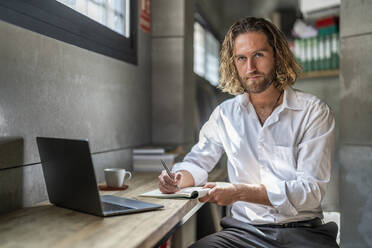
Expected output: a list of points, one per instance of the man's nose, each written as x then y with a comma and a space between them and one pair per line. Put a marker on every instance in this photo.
250, 66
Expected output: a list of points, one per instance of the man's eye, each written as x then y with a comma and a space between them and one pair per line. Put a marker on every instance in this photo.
259, 55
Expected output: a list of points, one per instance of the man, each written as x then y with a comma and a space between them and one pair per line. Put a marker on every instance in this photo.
279, 144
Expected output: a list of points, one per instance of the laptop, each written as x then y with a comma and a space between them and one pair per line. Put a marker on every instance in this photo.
71, 182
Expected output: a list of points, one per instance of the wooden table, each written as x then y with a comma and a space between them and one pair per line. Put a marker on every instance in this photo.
46, 225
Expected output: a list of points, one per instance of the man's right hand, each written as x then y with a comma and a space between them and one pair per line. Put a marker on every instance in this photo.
167, 185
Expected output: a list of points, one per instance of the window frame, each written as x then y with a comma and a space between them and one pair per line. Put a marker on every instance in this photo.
56, 20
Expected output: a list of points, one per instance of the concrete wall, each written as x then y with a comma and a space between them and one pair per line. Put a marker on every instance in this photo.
173, 82
51, 88
356, 120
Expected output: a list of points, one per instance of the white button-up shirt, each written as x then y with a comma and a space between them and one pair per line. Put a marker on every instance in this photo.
291, 154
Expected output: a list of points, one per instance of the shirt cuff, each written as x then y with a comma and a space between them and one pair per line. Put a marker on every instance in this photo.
200, 175
276, 191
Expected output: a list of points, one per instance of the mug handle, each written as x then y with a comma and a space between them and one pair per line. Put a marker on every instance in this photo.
129, 174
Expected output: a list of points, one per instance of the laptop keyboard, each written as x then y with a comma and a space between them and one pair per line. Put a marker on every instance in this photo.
113, 207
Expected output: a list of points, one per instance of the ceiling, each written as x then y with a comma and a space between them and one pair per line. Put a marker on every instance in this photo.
222, 13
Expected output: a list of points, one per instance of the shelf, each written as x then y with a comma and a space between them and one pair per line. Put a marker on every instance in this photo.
319, 74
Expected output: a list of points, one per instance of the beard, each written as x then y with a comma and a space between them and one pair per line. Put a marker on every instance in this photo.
257, 85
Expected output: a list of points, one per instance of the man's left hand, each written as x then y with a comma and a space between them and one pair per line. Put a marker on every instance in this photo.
220, 193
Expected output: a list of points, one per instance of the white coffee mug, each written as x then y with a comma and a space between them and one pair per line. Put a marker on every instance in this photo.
115, 177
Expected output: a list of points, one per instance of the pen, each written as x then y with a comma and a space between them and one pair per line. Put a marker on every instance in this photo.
168, 171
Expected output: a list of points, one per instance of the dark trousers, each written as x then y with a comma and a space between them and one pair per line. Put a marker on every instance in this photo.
236, 234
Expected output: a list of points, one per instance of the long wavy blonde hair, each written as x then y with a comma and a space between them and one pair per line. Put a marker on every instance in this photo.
286, 68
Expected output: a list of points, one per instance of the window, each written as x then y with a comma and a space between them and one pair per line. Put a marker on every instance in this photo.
108, 27
112, 14
206, 54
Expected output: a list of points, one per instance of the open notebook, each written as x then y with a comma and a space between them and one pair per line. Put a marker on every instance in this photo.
190, 192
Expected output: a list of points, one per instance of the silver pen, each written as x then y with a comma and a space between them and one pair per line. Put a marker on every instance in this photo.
168, 171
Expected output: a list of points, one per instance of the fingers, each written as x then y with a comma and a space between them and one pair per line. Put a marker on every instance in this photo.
206, 198
167, 184
220, 193
164, 177
210, 196
209, 185
213, 195
167, 189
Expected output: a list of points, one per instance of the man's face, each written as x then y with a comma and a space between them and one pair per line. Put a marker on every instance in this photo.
254, 60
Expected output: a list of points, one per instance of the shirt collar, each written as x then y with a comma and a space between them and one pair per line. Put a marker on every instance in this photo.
290, 99
243, 99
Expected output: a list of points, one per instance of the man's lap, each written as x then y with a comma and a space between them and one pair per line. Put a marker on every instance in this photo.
238, 234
